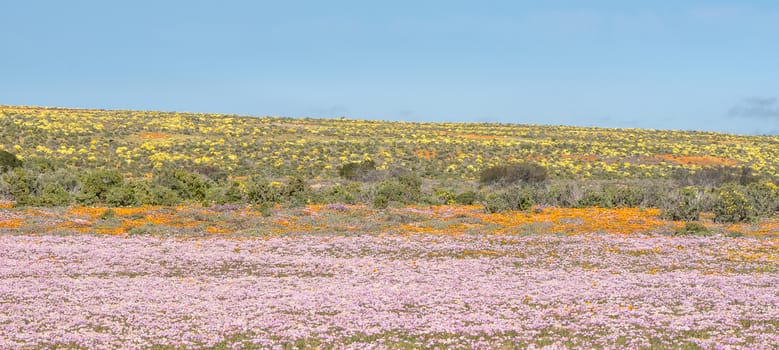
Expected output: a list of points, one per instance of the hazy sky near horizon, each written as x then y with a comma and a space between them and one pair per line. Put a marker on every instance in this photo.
702, 65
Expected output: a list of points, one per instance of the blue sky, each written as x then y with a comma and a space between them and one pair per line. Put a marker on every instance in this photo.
704, 65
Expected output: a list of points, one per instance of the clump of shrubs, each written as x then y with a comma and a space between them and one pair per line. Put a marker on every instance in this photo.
692, 229
513, 198
683, 205
527, 173
8, 161
358, 171
404, 189
731, 205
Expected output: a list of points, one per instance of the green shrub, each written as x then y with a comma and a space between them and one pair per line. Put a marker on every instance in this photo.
466, 198
763, 198
596, 197
147, 193
529, 173
187, 185
692, 229
342, 193
96, 185
260, 191
731, 205
120, 196
445, 196
627, 196
19, 184
514, 198
53, 195
357, 170
232, 192
108, 214
715, 176
683, 205
404, 189
8, 161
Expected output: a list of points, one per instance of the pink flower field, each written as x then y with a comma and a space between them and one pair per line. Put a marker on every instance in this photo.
389, 291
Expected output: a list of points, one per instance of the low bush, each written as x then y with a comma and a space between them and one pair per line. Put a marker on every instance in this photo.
8, 161
513, 198
260, 191
342, 193
683, 205
527, 173
692, 229
715, 176
763, 197
731, 205
404, 189
465, 198
359, 171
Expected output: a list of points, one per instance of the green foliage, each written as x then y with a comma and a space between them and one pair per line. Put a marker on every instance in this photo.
95, 185
731, 205
231, 192
8, 161
683, 205
715, 176
54, 195
147, 193
529, 173
18, 184
466, 198
120, 196
596, 197
108, 214
260, 191
341, 193
763, 198
445, 196
513, 198
187, 185
404, 189
692, 229
357, 170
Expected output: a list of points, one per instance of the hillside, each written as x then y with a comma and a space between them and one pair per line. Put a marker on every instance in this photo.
137, 142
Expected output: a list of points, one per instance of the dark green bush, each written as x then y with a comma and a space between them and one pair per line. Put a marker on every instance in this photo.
527, 172
260, 191
187, 185
54, 195
342, 193
8, 161
715, 176
731, 205
95, 185
683, 205
147, 193
596, 197
19, 184
404, 189
692, 229
231, 192
466, 198
763, 198
357, 170
120, 196
513, 198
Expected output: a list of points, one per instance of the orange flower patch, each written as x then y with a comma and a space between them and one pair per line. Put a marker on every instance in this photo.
583, 220
10, 223
153, 135
6, 205
697, 160
425, 154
